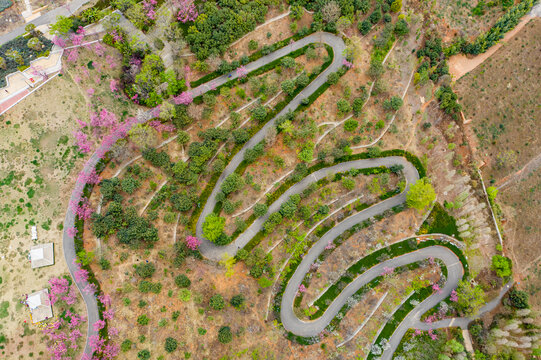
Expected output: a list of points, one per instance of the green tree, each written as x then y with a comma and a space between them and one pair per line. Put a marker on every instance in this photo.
225, 335
343, 106
492, 191
333, 78
260, 113
182, 281
34, 44
143, 320
15, 56
420, 195
126, 345
396, 6
288, 86
145, 270
502, 266
171, 344
143, 354
394, 103
470, 298
401, 27
518, 299
217, 302
302, 80
213, 227
62, 26
350, 125
364, 26
129, 184
3, 64
232, 183
260, 209
237, 301
288, 62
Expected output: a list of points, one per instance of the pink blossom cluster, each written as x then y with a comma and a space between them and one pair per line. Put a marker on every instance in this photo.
111, 61
83, 143
157, 124
187, 10
192, 242
77, 39
330, 245
59, 286
185, 98
302, 288
82, 209
436, 288
432, 335
81, 30
387, 271
113, 85
59, 41
454, 296
89, 178
90, 91
117, 37
347, 64
73, 55
103, 119
149, 7
72, 231
99, 49
242, 72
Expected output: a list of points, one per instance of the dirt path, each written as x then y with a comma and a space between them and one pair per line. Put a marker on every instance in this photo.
460, 65
530, 166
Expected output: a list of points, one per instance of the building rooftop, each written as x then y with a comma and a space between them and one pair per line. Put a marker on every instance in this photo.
42, 255
40, 306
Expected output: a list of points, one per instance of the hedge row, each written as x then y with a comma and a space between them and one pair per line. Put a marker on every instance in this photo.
394, 250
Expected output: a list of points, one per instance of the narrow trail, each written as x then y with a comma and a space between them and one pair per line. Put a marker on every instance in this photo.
528, 168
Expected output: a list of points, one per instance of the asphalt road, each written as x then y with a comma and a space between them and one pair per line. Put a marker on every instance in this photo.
207, 248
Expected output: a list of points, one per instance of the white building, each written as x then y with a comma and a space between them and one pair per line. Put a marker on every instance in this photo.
40, 306
42, 255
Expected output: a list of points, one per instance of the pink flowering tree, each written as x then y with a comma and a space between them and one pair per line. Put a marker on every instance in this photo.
454, 296
302, 288
192, 242
387, 271
186, 10
242, 72
185, 98
347, 64
149, 6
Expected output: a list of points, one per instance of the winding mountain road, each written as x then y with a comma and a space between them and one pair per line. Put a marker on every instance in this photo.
211, 251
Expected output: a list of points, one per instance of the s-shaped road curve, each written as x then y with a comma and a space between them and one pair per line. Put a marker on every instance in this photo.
68, 243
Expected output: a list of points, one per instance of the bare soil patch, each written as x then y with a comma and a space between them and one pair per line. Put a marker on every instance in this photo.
501, 97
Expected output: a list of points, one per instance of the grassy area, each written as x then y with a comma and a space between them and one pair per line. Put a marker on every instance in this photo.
440, 222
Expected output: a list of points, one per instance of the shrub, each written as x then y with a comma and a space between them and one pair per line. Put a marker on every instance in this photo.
126, 345
288, 86
260, 113
225, 335
143, 354
343, 106
34, 44
145, 270
143, 320
288, 62
348, 183
182, 281
364, 26
217, 302
213, 227
394, 103
333, 78
350, 125
260, 209
518, 299
237, 301
253, 45
502, 266
104, 264
171, 344
129, 184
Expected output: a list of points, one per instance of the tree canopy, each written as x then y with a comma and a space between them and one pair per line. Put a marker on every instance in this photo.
420, 195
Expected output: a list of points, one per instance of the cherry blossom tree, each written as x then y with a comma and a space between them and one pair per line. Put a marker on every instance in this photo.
187, 10
192, 242
185, 98
242, 72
